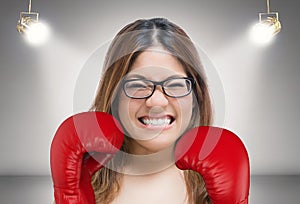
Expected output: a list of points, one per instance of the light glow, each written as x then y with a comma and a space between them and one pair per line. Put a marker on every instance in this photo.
262, 33
37, 33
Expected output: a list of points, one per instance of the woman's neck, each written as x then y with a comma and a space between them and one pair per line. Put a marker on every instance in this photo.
149, 163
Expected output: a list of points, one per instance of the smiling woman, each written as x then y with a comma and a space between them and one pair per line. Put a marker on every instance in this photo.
159, 92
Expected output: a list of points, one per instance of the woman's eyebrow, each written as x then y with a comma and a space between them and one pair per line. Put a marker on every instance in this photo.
138, 76
135, 76
175, 76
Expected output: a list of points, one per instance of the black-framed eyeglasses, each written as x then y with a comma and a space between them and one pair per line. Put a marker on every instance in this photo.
144, 88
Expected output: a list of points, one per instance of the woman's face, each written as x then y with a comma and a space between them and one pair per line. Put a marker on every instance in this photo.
155, 123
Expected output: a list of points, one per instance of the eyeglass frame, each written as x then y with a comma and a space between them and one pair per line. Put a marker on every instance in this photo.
155, 83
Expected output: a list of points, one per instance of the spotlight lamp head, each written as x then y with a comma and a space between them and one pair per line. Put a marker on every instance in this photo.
26, 20
270, 20
267, 27
35, 32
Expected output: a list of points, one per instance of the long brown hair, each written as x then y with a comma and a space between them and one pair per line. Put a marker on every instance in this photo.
129, 42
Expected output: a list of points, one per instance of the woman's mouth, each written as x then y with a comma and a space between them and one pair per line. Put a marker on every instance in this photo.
157, 121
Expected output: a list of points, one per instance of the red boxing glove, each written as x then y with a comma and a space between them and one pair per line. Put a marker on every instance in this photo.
71, 167
221, 159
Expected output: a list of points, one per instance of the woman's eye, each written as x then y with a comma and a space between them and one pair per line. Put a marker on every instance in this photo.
137, 85
176, 85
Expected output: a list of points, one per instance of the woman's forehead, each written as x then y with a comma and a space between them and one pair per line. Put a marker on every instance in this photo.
157, 62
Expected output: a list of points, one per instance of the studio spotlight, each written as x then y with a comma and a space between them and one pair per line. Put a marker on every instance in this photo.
267, 27
29, 26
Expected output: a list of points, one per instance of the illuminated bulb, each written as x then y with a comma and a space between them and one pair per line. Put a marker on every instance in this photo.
263, 32
37, 33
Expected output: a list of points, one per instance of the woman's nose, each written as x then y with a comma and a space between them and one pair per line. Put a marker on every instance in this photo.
158, 98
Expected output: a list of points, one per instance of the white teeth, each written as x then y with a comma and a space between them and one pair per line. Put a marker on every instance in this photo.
156, 122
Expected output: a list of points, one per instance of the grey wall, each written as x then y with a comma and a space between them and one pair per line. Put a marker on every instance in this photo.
260, 84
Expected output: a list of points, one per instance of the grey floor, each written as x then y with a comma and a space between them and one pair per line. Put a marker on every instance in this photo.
38, 190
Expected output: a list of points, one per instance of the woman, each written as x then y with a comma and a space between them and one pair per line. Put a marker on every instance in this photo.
154, 83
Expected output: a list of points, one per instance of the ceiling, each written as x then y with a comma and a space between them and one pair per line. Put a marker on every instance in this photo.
256, 89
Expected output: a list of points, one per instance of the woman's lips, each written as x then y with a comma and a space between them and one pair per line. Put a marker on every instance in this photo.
156, 122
